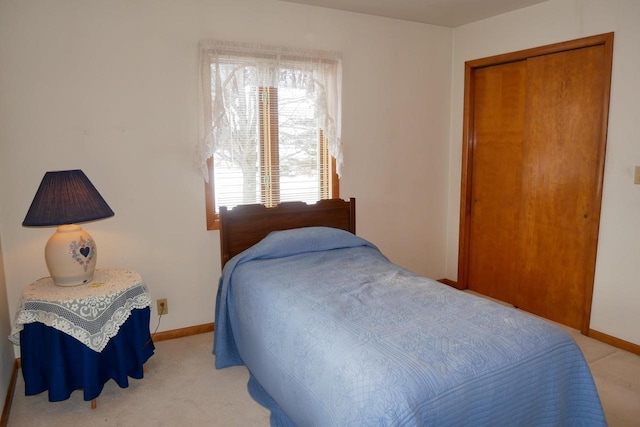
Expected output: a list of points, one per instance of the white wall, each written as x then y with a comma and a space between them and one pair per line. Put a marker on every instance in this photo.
111, 87
616, 298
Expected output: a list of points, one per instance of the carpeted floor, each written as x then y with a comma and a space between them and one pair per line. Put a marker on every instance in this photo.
182, 388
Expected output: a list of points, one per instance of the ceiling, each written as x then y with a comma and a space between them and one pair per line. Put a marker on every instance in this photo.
447, 13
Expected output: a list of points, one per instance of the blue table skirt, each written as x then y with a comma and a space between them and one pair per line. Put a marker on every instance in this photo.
52, 360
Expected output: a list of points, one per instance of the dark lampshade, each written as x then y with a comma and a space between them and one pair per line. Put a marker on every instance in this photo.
66, 197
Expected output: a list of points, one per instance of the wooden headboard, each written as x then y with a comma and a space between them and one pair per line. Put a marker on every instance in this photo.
245, 225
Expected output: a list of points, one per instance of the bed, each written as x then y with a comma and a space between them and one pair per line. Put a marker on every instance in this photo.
334, 334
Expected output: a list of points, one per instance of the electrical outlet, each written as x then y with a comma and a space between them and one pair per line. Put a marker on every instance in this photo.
636, 175
163, 306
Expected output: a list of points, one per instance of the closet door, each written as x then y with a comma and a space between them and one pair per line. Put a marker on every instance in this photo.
560, 183
499, 105
535, 132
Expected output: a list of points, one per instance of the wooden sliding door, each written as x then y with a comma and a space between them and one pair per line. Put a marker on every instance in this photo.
535, 134
499, 106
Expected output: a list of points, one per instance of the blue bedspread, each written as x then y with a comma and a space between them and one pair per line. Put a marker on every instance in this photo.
334, 334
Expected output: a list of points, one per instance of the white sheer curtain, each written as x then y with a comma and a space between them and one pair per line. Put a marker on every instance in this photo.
227, 67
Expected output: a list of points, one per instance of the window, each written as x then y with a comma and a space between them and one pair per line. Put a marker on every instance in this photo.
272, 125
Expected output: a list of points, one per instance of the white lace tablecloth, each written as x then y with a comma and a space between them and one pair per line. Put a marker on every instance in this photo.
91, 313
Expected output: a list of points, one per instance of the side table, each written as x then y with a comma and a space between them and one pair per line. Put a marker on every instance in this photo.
80, 337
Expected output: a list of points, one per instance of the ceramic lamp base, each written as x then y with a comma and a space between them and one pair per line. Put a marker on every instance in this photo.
71, 256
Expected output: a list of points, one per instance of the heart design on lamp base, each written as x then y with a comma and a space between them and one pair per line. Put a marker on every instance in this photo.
71, 256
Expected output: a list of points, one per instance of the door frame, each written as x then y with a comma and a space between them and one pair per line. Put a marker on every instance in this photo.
468, 147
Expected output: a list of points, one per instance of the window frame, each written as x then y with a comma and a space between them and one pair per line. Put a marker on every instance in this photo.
270, 160
329, 66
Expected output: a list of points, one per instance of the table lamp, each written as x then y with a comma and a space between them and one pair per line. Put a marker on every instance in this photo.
64, 199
